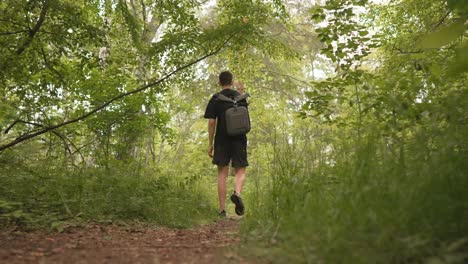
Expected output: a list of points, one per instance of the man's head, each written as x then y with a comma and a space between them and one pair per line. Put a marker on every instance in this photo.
225, 78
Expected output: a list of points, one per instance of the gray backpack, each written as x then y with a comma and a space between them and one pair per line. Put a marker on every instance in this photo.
237, 117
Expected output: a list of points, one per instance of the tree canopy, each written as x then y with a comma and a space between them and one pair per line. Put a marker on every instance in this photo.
358, 107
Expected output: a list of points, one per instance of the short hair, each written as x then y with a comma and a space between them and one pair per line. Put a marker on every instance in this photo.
225, 78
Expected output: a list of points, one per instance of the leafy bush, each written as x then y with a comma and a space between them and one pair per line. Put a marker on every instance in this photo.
37, 196
364, 201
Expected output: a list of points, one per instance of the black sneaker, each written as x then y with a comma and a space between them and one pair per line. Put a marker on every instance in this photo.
237, 200
222, 214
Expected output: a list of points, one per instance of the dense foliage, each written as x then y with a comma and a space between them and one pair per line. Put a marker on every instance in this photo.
98, 103
359, 112
377, 172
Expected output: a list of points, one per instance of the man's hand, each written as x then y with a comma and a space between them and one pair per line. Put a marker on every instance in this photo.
210, 151
240, 87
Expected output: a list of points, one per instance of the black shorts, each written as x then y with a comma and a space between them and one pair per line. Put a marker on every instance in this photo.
235, 150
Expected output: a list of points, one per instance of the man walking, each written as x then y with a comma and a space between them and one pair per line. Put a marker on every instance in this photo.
226, 148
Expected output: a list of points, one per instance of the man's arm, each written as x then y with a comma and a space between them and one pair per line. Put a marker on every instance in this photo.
240, 87
211, 131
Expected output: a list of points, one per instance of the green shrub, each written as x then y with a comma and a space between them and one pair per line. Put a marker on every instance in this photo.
363, 201
38, 196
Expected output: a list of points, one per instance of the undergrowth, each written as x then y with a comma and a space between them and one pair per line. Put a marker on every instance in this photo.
52, 194
336, 198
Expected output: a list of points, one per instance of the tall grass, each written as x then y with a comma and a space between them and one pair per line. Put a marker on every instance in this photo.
52, 194
341, 199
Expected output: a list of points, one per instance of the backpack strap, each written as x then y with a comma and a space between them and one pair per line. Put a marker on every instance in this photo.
222, 97
241, 97
238, 98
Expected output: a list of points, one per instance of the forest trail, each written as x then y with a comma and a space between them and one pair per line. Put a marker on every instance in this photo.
97, 243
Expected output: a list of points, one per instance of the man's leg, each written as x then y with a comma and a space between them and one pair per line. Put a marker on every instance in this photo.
239, 180
238, 183
222, 176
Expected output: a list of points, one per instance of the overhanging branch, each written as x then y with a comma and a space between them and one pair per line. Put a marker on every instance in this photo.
35, 29
104, 105
13, 32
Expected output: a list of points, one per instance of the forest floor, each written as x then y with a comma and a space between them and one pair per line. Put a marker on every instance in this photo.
98, 243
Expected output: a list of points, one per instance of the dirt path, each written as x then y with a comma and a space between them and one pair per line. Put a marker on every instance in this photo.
115, 244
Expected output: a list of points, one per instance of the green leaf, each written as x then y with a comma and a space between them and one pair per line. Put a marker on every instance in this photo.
461, 61
363, 33
435, 69
58, 226
443, 36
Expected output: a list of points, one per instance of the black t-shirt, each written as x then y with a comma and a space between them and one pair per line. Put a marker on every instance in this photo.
216, 109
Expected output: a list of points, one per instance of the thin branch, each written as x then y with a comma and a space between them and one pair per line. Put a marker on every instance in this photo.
442, 20
64, 203
400, 51
31, 33
58, 134
13, 33
198, 44
84, 146
134, 9
143, 13
434, 28
14, 23
49, 32
11, 126
104, 105
394, 47
63, 138
50, 67
77, 150
35, 29
288, 76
